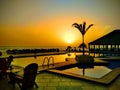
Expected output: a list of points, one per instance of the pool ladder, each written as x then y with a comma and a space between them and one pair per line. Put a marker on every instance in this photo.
48, 60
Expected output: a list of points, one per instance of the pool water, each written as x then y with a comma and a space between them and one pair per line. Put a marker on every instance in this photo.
113, 64
95, 72
39, 60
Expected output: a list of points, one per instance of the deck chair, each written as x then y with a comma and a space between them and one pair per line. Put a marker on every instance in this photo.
28, 79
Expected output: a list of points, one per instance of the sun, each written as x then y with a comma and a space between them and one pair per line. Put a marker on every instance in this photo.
69, 38
69, 41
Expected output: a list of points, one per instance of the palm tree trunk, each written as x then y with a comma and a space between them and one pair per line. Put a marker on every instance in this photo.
83, 45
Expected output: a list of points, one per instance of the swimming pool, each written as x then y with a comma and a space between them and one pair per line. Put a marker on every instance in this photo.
93, 71
24, 61
113, 64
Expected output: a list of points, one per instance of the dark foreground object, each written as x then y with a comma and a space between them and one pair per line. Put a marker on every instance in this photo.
27, 80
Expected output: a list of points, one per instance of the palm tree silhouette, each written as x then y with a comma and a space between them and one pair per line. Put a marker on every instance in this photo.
82, 28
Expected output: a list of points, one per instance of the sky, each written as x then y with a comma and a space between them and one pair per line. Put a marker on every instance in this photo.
49, 22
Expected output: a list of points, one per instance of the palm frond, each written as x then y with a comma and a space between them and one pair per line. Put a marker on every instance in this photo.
76, 25
89, 27
84, 25
80, 25
80, 28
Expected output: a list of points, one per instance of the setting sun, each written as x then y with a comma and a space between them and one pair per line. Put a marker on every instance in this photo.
69, 36
69, 41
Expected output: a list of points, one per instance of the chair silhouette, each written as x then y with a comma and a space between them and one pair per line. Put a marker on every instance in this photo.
8, 62
3, 67
28, 79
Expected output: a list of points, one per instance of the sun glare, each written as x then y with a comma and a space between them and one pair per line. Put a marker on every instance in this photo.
69, 41
69, 38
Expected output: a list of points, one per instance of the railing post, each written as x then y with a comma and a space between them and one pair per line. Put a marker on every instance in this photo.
44, 60
52, 59
48, 59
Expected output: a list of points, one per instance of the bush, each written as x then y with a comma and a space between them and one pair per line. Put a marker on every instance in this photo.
84, 59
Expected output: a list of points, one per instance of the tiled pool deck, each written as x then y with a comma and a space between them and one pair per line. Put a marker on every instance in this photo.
54, 81
49, 81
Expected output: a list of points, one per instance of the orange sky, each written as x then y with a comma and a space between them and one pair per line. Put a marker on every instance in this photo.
49, 23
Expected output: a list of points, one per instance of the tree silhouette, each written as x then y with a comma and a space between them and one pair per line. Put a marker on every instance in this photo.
69, 48
82, 28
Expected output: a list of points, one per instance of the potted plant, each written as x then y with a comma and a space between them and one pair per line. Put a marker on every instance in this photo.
84, 59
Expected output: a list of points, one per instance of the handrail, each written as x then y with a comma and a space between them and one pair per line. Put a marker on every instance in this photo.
48, 59
51, 57
44, 60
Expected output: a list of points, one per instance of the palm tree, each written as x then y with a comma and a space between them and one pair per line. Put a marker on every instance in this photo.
82, 28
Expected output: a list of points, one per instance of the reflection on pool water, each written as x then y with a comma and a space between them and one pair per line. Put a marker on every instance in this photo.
95, 72
39, 59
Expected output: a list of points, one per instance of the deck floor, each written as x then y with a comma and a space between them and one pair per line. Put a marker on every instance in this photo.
50, 81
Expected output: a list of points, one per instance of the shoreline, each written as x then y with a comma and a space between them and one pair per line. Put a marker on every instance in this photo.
54, 53
34, 55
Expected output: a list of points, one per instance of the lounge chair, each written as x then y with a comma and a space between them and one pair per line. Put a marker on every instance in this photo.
28, 79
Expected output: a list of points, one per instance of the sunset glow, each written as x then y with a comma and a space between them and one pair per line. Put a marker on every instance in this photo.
69, 37
69, 41
49, 22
